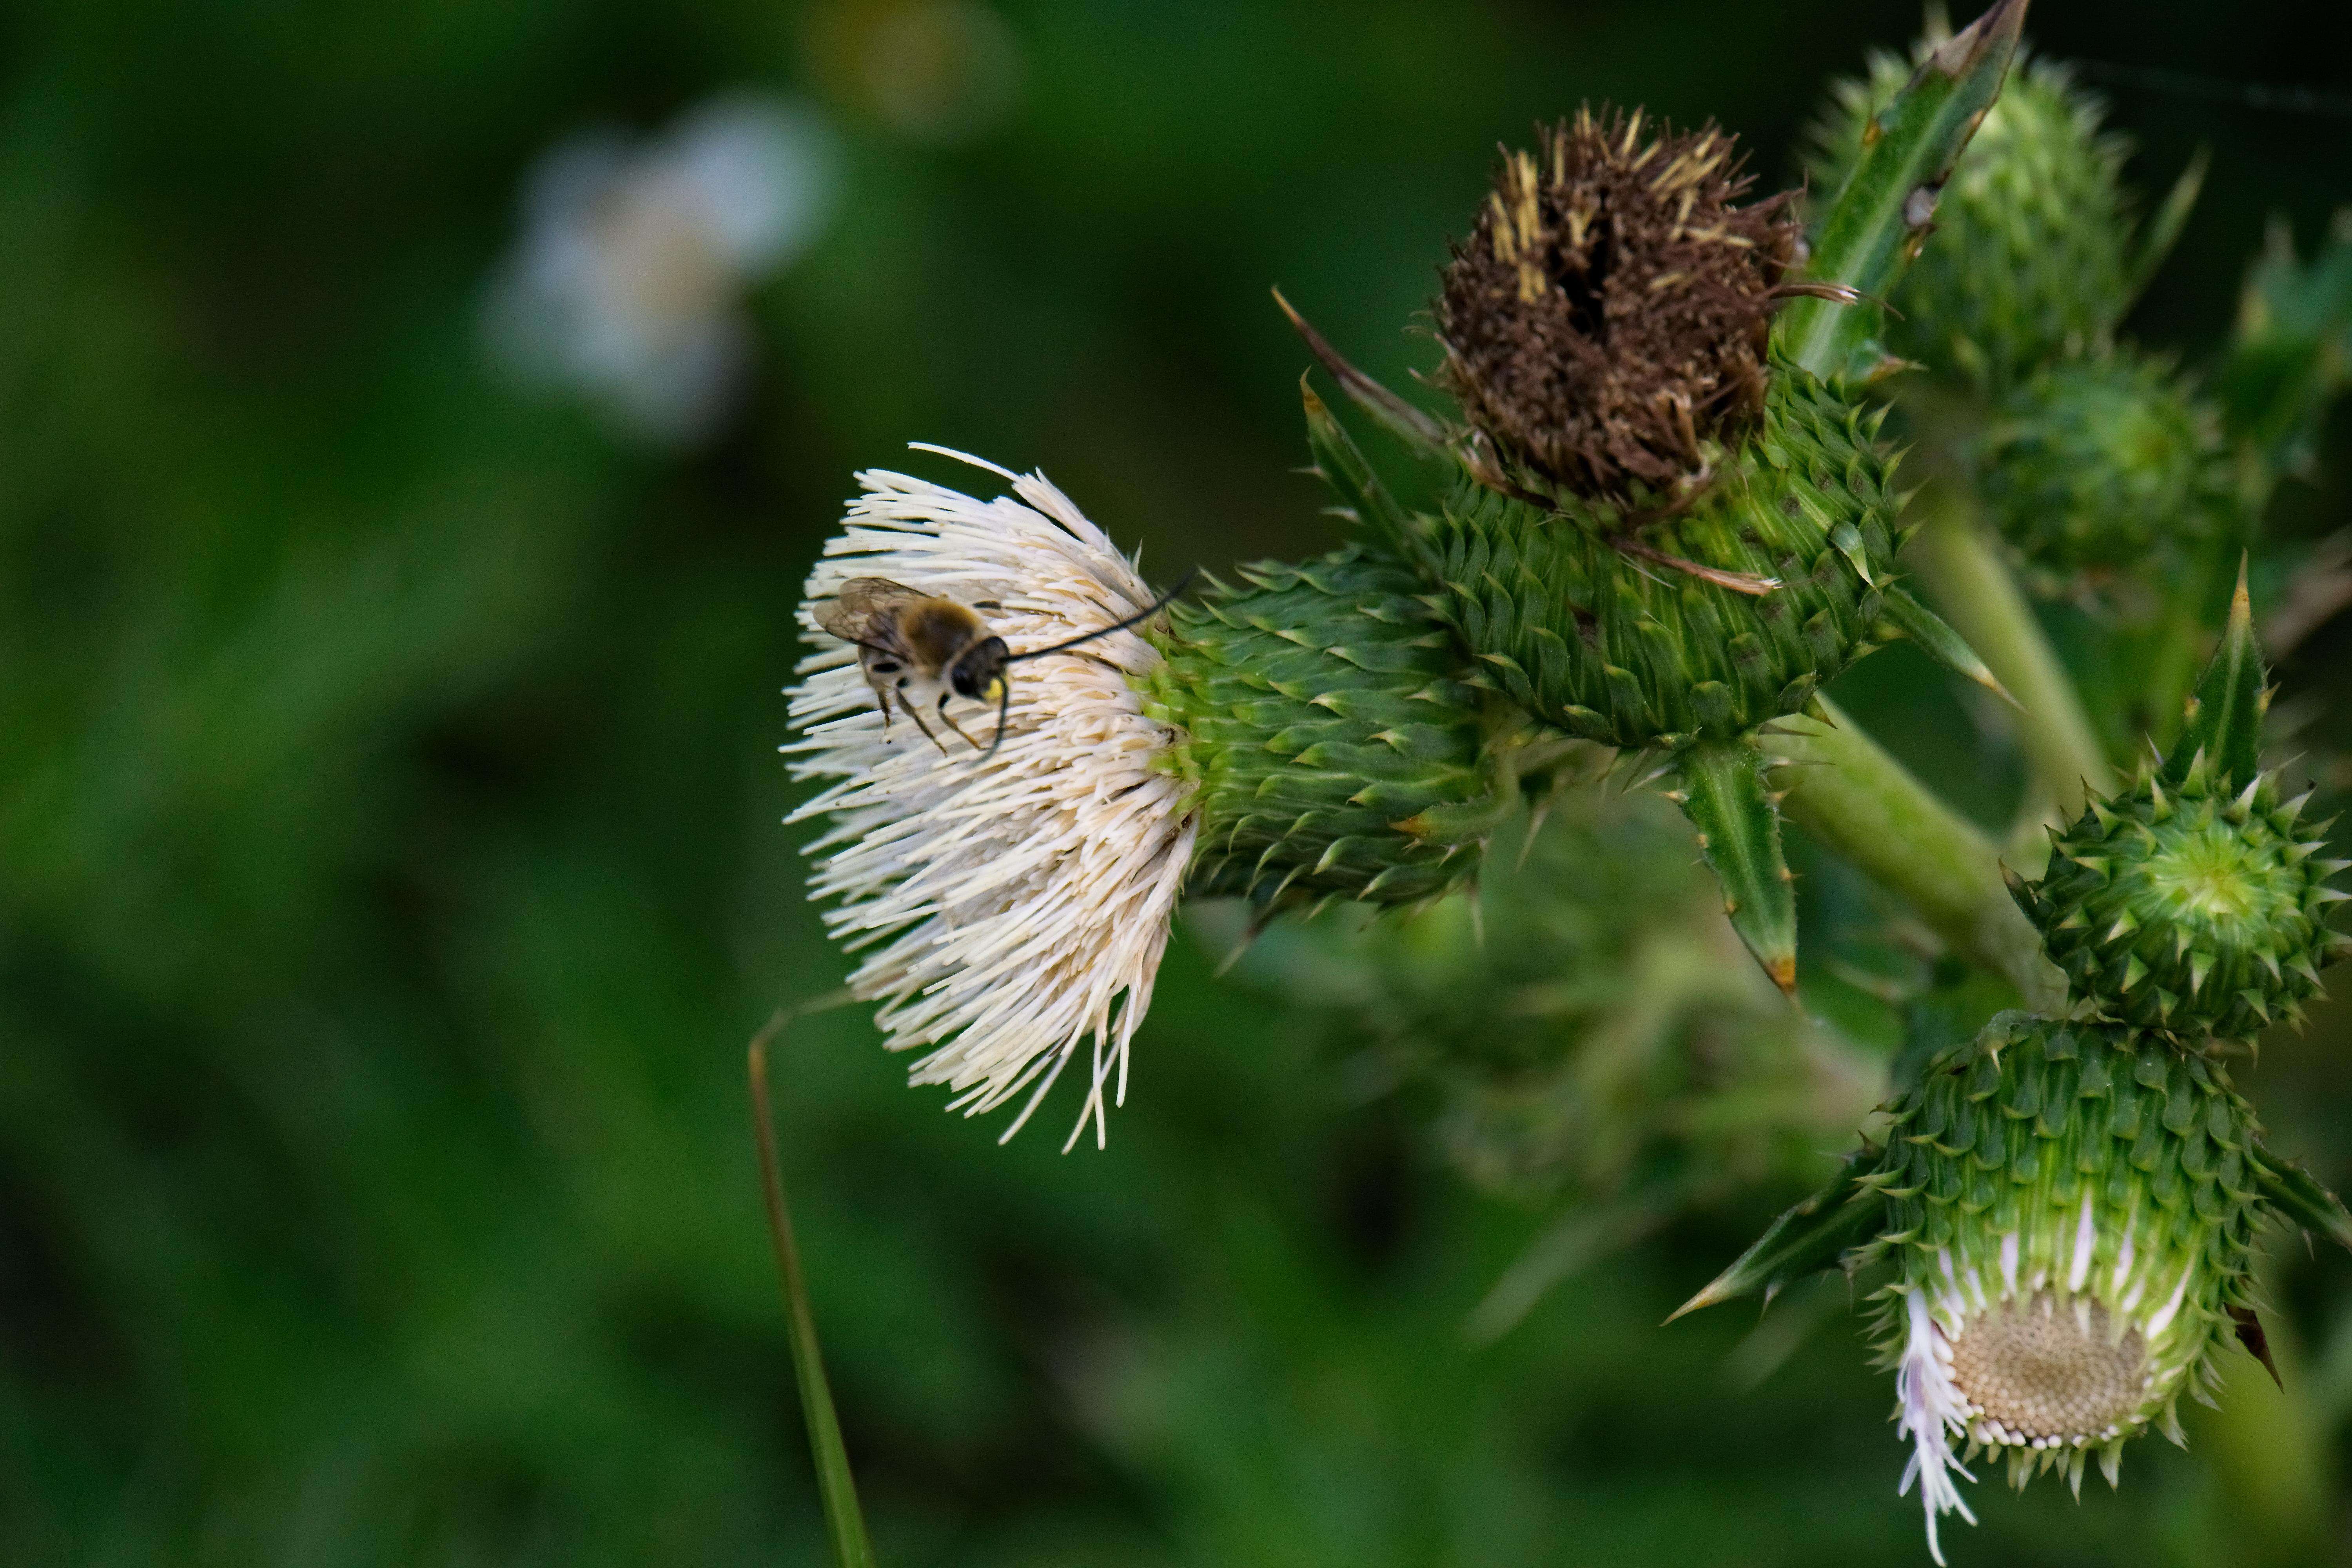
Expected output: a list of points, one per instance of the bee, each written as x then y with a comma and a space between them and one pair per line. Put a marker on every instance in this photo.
912, 644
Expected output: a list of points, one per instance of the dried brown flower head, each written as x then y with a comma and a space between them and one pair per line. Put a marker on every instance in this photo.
1610, 310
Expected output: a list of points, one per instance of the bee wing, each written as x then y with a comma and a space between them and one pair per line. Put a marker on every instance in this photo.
854, 612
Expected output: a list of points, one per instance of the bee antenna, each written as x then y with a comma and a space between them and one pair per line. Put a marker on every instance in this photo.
1164, 600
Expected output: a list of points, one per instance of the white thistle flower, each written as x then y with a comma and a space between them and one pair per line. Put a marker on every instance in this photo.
626, 284
1015, 905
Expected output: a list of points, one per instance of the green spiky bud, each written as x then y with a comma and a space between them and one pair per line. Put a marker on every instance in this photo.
2070, 1211
2194, 902
2034, 257
2102, 464
1688, 629
1326, 727
2290, 353
1708, 619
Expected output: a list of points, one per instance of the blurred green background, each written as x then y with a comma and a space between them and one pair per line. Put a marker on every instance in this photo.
391, 868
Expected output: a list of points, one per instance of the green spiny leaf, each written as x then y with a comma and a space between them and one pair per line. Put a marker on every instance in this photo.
1807, 1239
1344, 468
2225, 715
1738, 828
2297, 1195
1939, 642
2163, 230
1417, 429
1887, 207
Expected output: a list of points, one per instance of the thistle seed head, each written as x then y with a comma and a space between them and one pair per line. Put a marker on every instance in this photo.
1607, 317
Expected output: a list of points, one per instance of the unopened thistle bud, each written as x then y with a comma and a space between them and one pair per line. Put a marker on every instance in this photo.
2035, 256
2195, 902
1608, 315
1309, 736
2102, 464
2072, 1213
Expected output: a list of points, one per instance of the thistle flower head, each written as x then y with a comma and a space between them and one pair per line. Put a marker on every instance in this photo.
1608, 314
2071, 1213
1310, 735
1012, 905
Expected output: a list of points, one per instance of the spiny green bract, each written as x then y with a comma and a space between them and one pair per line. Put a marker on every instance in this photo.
2101, 464
1581, 617
1334, 742
2187, 908
2095, 1178
2029, 260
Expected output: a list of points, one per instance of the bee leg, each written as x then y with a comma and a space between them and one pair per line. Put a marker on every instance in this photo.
916, 715
882, 696
951, 724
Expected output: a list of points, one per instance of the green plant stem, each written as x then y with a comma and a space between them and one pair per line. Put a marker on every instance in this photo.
1845, 790
835, 1487
1975, 591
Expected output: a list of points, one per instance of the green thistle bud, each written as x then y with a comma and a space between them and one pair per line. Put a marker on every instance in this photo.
2194, 902
1688, 630
2034, 257
2072, 1213
1702, 621
1331, 742
2101, 464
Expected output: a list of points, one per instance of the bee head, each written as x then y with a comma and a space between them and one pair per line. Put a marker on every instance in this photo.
978, 672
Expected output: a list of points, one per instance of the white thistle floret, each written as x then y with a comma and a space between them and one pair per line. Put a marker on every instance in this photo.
1930, 1411
1011, 906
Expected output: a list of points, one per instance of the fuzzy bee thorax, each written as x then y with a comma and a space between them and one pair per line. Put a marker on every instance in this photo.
939, 629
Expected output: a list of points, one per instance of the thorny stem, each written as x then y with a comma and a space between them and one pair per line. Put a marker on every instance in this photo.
1983, 602
1845, 790
835, 1487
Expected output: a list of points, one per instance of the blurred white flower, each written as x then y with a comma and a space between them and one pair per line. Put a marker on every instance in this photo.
626, 286
1009, 899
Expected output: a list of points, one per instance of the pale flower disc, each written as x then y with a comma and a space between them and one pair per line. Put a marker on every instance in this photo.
1007, 903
